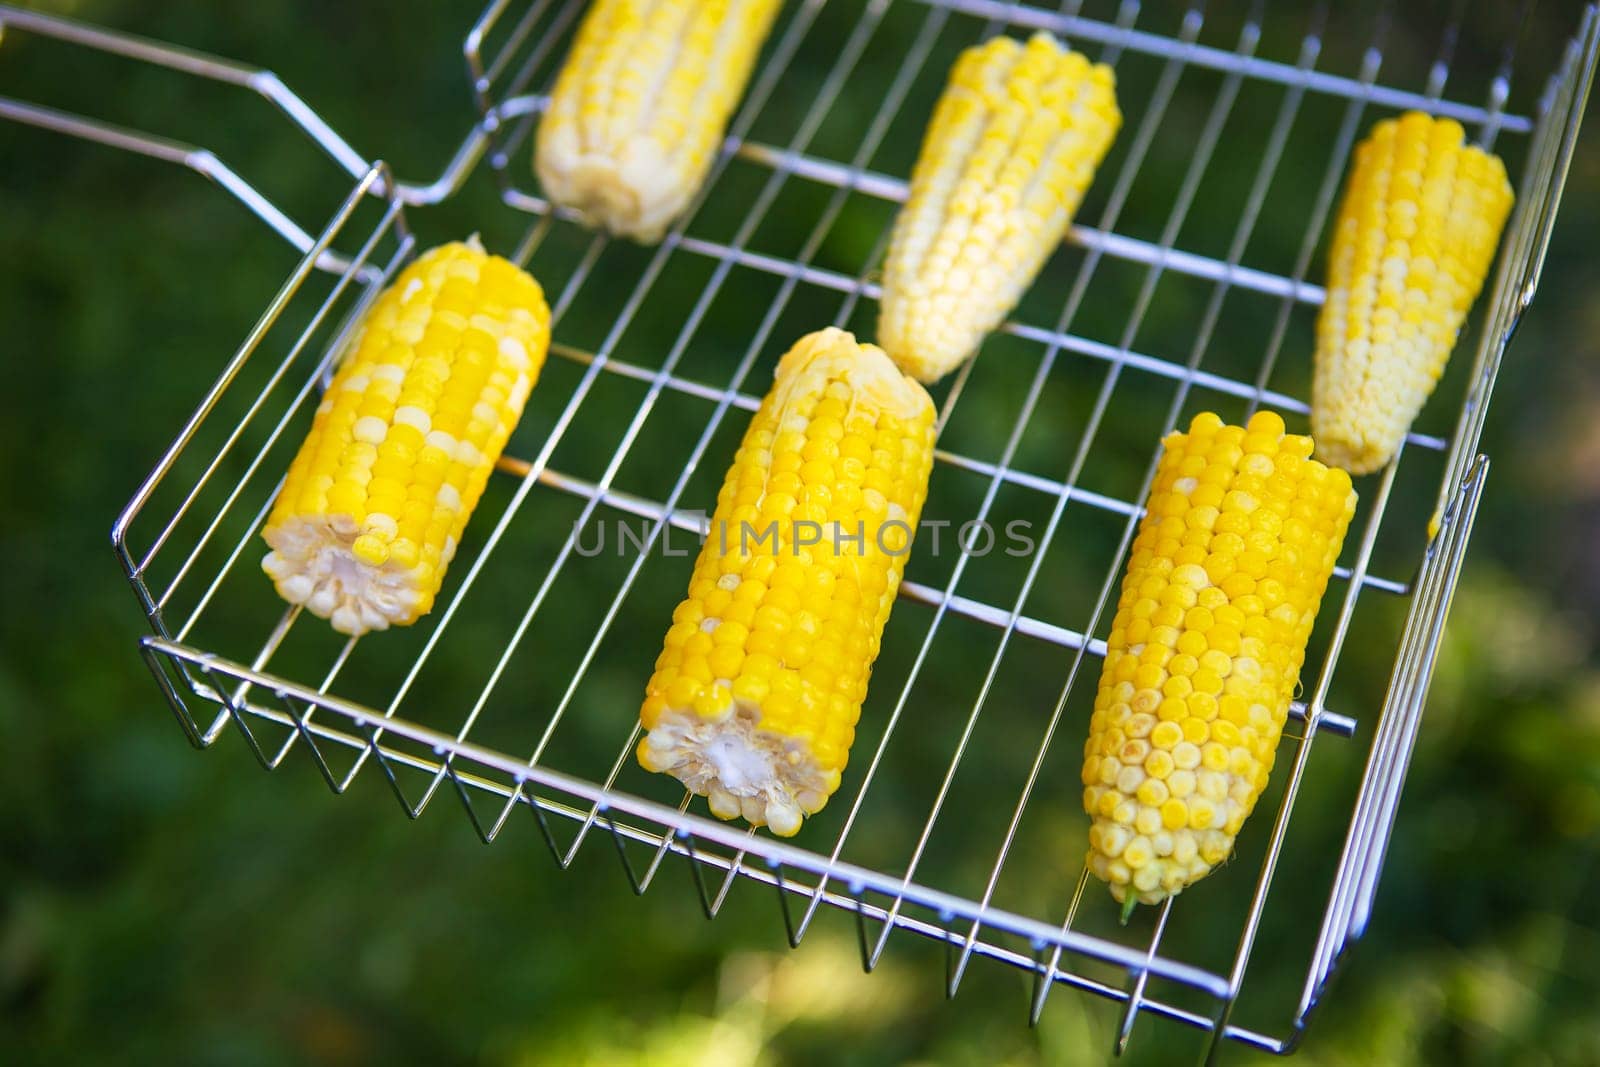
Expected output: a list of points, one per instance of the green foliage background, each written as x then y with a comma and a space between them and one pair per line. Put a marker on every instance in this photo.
161, 905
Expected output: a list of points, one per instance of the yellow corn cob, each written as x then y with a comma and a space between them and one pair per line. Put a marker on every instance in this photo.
755, 696
641, 105
1222, 587
404, 439
1013, 144
1417, 230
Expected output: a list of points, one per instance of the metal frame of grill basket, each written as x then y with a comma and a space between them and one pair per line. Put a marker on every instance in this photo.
188, 540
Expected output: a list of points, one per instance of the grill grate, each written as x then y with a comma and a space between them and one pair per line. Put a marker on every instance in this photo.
985, 774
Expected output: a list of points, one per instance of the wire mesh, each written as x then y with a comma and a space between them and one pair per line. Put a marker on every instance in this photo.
541, 642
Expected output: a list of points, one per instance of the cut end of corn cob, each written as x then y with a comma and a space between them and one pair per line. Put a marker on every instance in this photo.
404, 440
1416, 233
1223, 584
1012, 146
742, 769
641, 105
757, 690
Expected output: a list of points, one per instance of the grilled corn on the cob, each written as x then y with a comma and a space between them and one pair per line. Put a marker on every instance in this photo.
1416, 232
1013, 143
641, 104
404, 439
1223, 583
755, 696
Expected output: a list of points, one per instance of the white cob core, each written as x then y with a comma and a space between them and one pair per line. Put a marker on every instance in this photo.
740, 768
312, 564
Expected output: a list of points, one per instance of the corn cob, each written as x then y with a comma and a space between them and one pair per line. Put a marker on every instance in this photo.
641, 105
1417, 230
755, 696
404, 439
1222, 587
1011, 148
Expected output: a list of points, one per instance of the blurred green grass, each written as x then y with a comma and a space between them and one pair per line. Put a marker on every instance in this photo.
158, 904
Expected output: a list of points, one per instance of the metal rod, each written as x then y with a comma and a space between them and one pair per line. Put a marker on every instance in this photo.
1223, 60
297, 278
702, 829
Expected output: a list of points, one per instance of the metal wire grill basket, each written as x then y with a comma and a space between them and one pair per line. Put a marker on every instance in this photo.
502, 695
